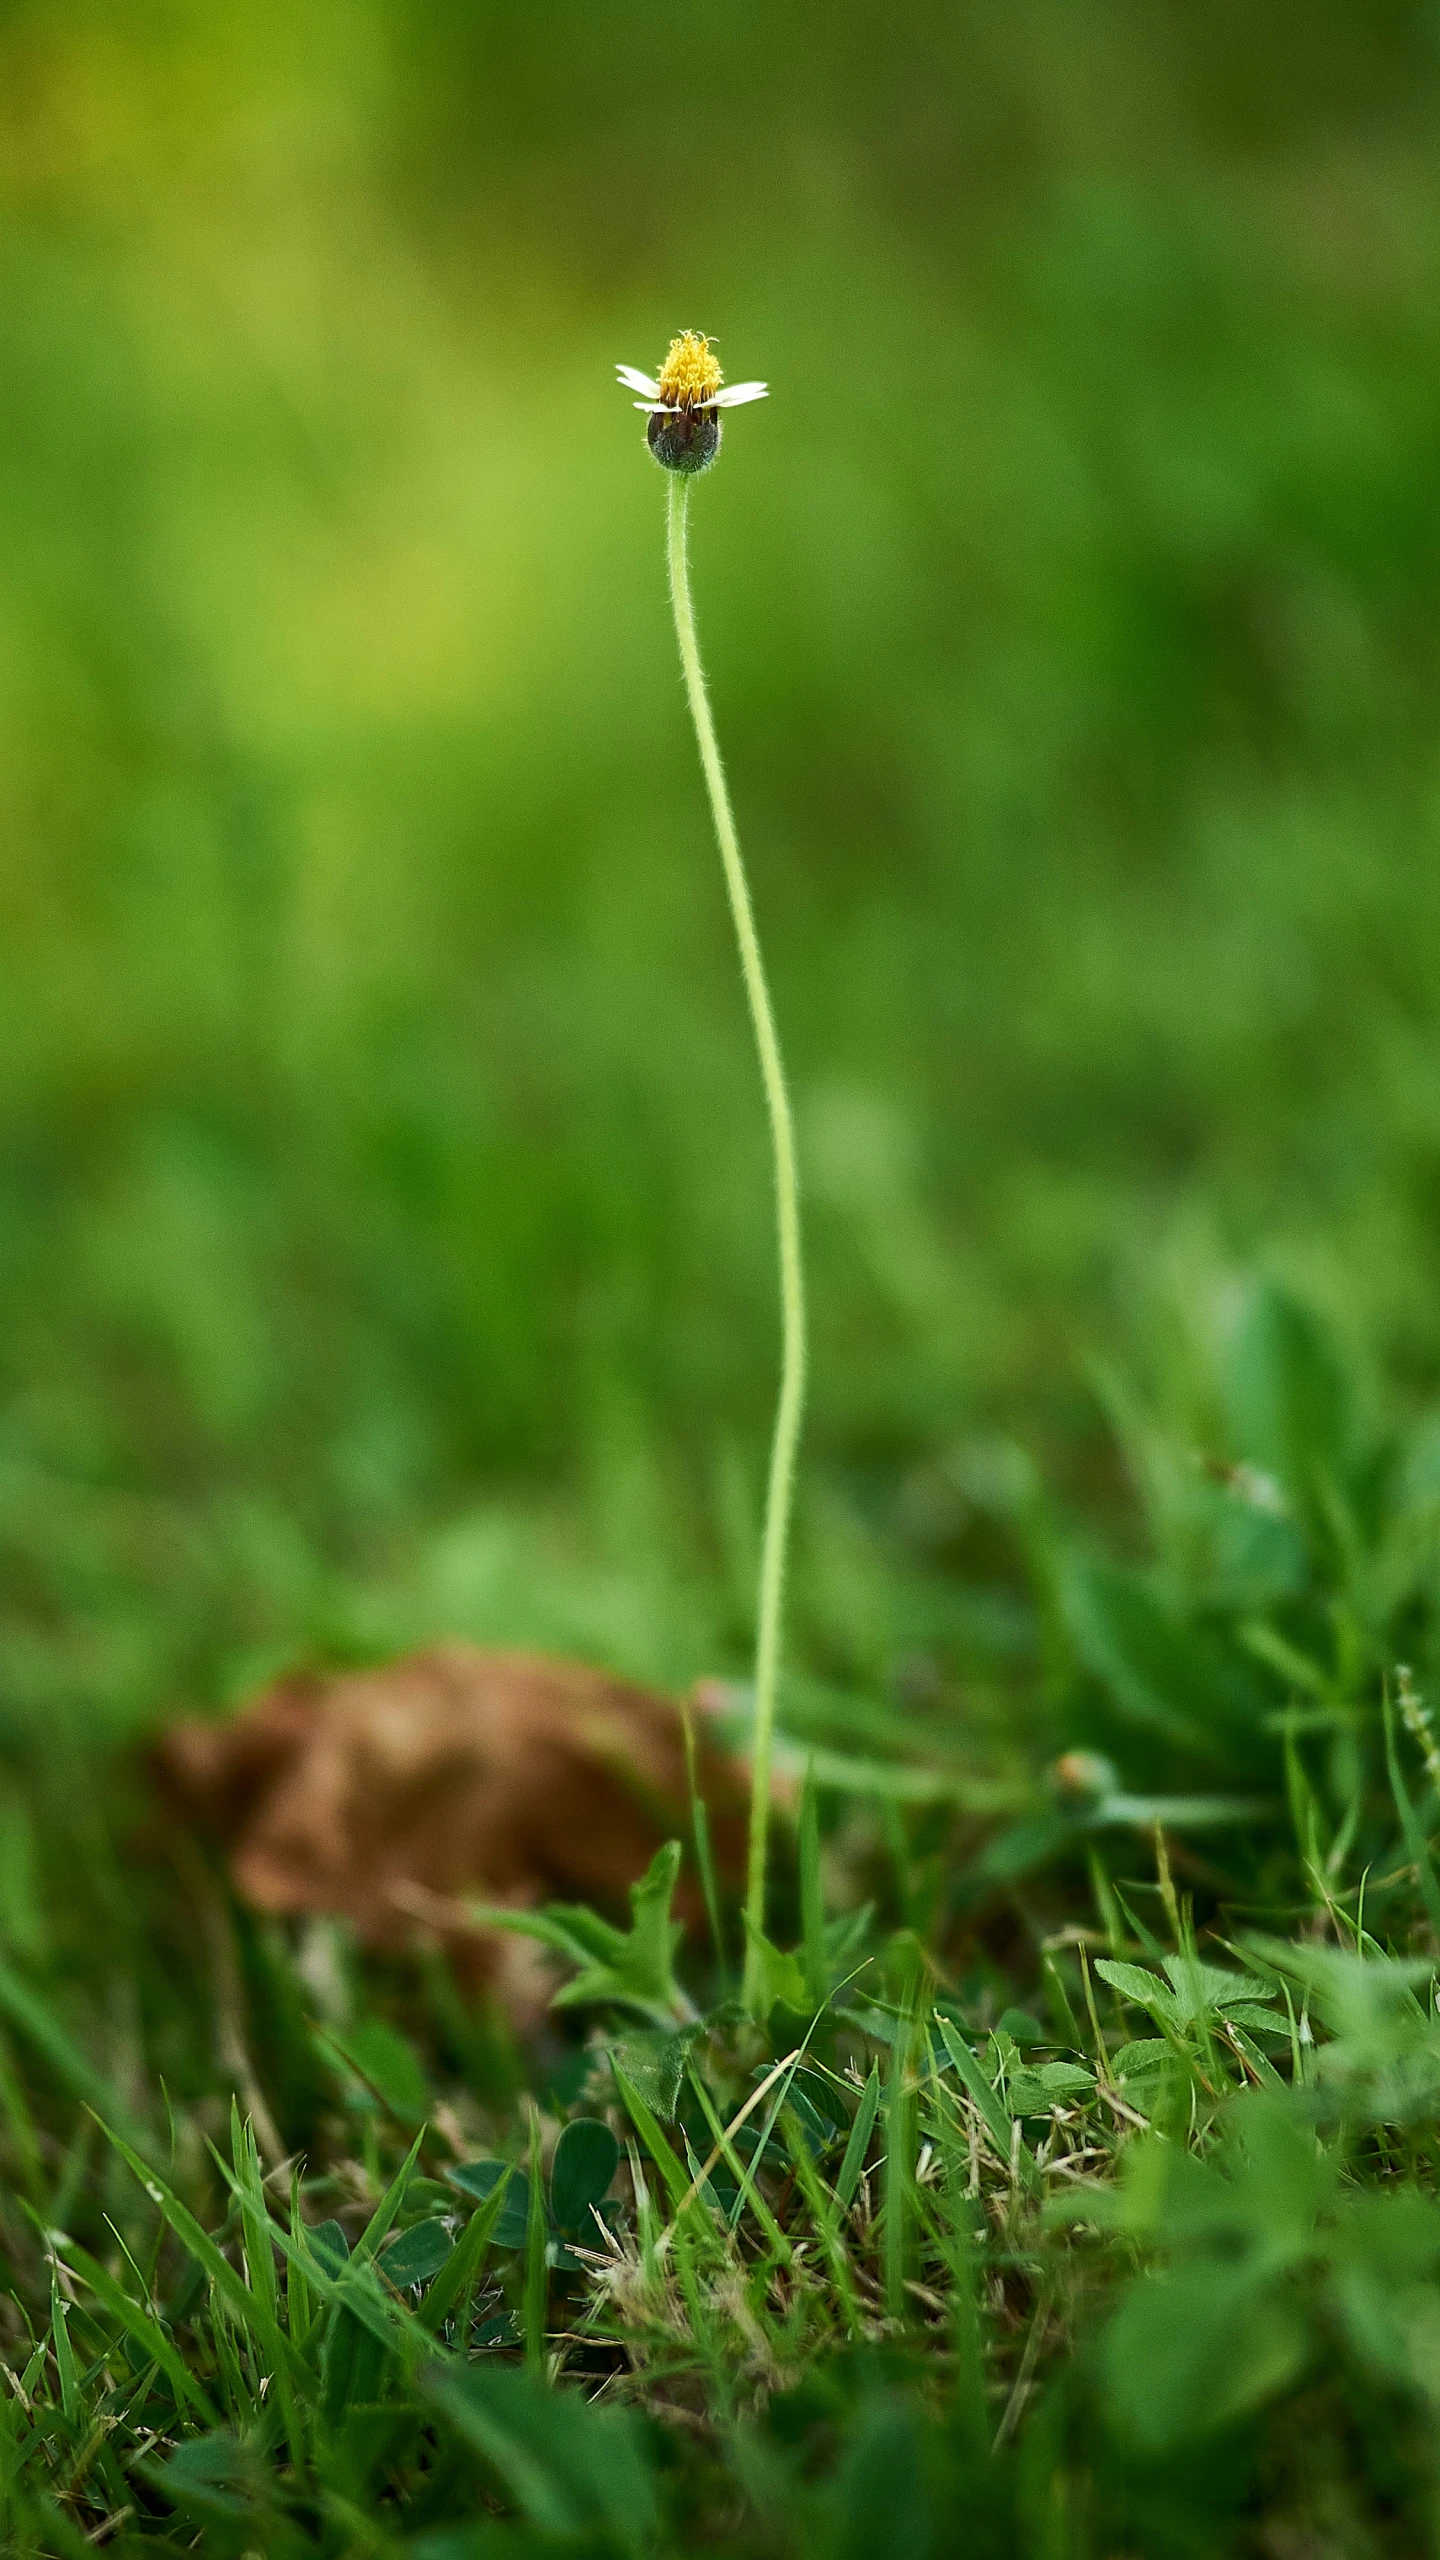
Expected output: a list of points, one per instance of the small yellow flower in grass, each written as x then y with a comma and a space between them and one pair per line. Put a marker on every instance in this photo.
684, 401
683, 408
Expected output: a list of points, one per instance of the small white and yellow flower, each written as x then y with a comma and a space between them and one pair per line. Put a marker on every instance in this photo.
684, 400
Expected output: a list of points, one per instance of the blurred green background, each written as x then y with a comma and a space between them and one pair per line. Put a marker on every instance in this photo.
384, 1205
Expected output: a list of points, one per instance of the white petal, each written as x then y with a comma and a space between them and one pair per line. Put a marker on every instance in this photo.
736, 393
654, 408
634, 381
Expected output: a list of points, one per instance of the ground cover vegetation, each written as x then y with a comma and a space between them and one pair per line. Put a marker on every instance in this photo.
384, 1254
1072, 2191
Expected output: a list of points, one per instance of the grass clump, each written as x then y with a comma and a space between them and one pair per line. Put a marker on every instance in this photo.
1072, 2191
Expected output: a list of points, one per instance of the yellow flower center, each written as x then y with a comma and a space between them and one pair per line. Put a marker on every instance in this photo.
690, 372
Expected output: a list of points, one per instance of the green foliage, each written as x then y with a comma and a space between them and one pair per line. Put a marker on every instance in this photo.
633, 1968
360, 1269
1141, 2226
384, 1252
586, 2158
576, 2472
1268, 2262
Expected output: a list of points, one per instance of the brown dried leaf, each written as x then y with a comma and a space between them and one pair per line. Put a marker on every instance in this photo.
377, 1795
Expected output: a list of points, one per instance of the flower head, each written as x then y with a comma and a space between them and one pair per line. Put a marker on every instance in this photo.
683, 403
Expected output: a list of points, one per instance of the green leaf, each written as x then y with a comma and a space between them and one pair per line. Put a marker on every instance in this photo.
1188, 2353
212, 2474
387, 2063
640, 1971
1159, 1672
1142, 1988
1368, 2001
1035, 2091
1243, 2013
617, 1968
661, 2152
1140, 2061
330, 2245
1291, 1402
778, 1978
586, 2158
416, 2256
1383, 2285
809, 2101
881, 2503
460, 2274
1195, 1991
480, 2178
567, 1929
1201, 1989
654, 2064
572, 2469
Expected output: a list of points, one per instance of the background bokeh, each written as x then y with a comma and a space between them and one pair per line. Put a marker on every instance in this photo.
384, 1206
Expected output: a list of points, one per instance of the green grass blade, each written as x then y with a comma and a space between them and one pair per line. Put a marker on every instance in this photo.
391, 2201
704, 1852
144, 2328
899, 2178
822, 2210
676, 2182
26, 2010
458, 2277
745, 2173
977, 2087
537, 2290
64, 2355
230, 2286
1415, 1840
259, 2230
862, 2127
812, 1897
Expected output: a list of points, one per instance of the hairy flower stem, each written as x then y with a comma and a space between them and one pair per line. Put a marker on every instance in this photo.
780, 1493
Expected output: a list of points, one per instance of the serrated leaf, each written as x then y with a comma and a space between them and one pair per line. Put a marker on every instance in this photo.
1202, 1987
1036, 2090
1242, 2013
618, 1968
1141, 2060
1141, 1987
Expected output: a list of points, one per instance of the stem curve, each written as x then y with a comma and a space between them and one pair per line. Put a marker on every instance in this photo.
780, 1490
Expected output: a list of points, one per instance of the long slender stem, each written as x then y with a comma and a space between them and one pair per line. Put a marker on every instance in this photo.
780, 1492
